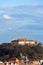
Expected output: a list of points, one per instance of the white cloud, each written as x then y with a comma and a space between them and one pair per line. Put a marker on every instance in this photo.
5, 16
9, 28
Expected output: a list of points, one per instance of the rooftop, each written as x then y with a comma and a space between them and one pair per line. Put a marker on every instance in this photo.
22, 39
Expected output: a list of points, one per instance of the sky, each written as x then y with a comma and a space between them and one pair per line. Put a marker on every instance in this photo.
21, 19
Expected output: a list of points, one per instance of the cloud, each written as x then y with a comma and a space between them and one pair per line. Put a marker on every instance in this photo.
9, 28
5, 16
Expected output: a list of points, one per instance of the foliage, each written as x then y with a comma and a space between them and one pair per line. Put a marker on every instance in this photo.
9, 50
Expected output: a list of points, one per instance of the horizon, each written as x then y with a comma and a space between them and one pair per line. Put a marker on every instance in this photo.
21, 19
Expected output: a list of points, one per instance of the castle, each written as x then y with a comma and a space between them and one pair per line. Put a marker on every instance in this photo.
23, 41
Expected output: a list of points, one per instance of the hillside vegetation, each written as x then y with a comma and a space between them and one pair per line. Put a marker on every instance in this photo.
9, 50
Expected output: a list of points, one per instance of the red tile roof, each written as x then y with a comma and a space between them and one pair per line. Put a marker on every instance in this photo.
21, 39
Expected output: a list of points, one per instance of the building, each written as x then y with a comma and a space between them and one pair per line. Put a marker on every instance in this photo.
17, 62
23, 41
7, 63
34, 63
1, 63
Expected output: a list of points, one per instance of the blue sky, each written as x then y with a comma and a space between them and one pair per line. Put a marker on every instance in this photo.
21, 18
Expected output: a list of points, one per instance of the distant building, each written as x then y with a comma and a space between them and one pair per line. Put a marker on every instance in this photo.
18, 62
1, 63
41, 61
7, 63
23, 41
34, 63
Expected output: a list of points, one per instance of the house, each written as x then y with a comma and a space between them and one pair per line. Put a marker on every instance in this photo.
1, 63
41, 61
23, 41
18, 62
7, 63
11, 61
34, 63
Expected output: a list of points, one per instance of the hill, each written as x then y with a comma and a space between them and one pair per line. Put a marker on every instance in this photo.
9, 50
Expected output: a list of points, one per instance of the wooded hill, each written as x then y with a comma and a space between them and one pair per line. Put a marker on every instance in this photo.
9, 50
